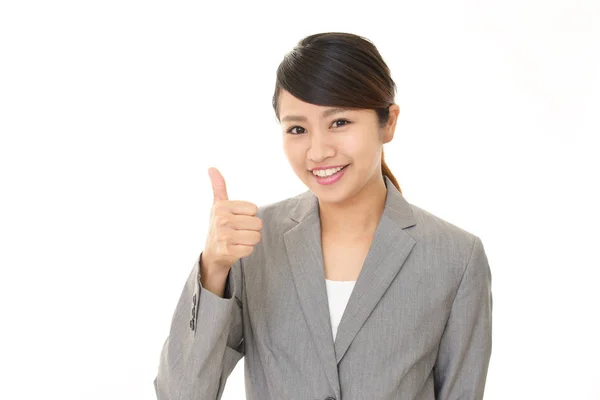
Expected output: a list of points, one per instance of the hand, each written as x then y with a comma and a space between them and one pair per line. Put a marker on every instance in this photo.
234, 229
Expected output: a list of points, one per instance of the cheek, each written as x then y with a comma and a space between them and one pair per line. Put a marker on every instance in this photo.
369, 141
287, 148
356, 148
292, 152
361, 151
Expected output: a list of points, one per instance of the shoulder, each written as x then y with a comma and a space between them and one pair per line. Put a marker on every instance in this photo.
437, 234
428, 224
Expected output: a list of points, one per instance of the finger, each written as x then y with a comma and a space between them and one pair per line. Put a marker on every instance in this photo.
246, 238
218, 185
238, 207
246, 223
241, 250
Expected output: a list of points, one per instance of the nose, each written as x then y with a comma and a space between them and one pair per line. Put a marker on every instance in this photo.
320, 148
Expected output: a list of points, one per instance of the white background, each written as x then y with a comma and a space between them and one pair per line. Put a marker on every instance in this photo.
111, 112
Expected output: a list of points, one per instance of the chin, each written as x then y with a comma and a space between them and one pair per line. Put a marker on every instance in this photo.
326, 193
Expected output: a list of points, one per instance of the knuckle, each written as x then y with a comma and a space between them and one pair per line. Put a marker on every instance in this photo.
222, 220
220, 207
222, 237
227, 249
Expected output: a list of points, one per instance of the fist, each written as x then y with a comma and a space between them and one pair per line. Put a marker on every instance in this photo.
234, 229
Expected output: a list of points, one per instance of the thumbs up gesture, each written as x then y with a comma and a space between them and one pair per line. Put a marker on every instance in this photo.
234, 229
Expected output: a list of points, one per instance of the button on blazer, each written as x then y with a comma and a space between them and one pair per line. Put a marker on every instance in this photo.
417, 326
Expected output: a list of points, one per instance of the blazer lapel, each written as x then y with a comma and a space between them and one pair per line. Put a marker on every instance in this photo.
303, 246
388, 252
390, 248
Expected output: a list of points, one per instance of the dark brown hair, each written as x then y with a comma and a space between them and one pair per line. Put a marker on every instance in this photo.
338, 69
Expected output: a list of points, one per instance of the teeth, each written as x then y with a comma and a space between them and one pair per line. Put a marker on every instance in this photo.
326, 172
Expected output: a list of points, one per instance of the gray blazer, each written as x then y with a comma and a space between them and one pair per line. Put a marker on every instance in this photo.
418, 325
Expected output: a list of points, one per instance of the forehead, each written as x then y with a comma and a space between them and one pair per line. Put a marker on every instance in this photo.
288, 101
290, 105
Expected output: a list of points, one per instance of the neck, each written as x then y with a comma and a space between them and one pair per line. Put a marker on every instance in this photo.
357, 216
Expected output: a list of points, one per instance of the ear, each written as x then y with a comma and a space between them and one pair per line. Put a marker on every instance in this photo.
390, 127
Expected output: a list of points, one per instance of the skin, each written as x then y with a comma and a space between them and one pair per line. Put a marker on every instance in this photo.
352, 207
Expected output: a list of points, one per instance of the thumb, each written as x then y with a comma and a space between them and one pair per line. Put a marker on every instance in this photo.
218, 185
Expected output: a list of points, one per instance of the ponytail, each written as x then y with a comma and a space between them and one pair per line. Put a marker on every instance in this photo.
385, 170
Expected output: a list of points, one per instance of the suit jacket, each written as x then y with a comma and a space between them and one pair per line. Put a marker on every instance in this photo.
417, 326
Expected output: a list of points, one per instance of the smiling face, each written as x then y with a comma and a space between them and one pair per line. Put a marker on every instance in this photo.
329, 136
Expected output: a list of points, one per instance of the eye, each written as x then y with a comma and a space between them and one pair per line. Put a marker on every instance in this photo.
341, 120
345, 122
293, 127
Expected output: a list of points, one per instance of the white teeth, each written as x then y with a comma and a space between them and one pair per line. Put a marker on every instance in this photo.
326, 172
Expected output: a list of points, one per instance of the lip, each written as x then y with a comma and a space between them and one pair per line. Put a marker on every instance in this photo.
330, 179
329, 167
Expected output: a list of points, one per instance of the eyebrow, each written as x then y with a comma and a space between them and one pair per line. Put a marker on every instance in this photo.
324, 114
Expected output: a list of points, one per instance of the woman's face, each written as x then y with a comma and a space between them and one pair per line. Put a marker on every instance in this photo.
322, 137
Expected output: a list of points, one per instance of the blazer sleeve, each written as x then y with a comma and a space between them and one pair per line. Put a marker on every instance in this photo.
465, 348
205, 341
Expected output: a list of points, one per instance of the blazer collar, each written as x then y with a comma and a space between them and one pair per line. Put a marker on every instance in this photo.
390, 247
396, 206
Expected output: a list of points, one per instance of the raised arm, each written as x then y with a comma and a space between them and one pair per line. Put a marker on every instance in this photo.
205, 342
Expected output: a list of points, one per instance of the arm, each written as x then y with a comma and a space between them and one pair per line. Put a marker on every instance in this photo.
465, 348
205, 342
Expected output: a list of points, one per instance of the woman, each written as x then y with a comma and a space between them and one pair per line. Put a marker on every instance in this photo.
345, 291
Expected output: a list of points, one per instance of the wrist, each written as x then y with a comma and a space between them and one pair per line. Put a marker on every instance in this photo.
209, 268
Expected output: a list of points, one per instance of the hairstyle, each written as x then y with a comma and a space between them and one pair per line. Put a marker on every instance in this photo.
340, 70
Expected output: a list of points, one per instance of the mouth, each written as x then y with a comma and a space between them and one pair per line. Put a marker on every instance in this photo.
327, 180
311, 171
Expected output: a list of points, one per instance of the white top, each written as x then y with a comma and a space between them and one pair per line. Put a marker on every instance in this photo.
338, 294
